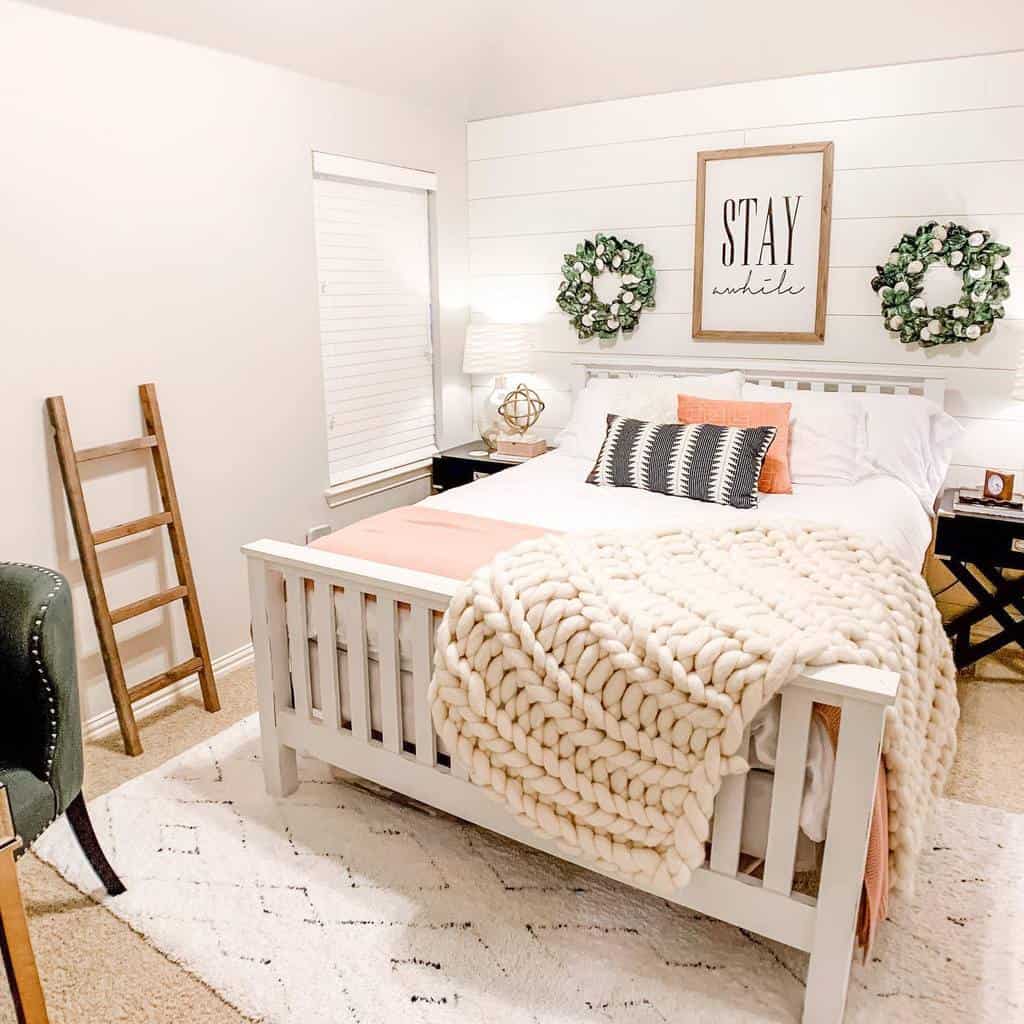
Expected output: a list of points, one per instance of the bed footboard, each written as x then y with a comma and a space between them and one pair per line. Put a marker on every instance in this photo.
406, 759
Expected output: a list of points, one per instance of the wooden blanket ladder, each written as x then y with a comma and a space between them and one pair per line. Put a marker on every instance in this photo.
89, 539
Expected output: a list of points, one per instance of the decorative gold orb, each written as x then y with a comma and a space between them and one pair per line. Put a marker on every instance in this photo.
520, 409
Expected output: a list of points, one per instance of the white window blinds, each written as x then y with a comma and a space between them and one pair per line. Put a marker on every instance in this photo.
373, 258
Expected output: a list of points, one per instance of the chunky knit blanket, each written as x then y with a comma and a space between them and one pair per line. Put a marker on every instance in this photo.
599, 684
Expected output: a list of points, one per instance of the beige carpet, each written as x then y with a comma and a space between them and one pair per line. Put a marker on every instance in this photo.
95, 968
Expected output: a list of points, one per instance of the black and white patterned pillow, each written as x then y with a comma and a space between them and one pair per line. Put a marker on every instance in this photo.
685, 460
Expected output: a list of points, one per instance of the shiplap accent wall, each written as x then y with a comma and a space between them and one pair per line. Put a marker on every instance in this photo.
943, 139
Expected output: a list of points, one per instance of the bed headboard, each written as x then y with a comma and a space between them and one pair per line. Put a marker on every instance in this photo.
788, 376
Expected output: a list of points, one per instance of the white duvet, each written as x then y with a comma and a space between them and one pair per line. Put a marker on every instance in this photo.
551, 491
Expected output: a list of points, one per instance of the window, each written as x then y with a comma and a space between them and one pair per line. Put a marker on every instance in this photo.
373, 263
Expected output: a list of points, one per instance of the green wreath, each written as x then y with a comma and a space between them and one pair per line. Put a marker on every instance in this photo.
576, 296
901, 281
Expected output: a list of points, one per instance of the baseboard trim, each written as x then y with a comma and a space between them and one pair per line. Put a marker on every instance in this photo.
105, 722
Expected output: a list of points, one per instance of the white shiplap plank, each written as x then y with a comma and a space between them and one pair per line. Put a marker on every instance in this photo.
534, 294
967, 83
671, 247
601, 166
865, 242
848, 339
983, 189
643, 205
912, 140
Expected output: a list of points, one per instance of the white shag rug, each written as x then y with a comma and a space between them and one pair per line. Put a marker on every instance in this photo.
338, 905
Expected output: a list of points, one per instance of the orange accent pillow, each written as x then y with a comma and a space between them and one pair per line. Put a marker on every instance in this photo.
723, 412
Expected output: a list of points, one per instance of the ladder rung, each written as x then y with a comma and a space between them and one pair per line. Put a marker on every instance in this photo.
158, 682
103, 450
147, 604
127, 529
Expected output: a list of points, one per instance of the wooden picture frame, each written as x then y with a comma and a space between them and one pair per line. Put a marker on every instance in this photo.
801, 324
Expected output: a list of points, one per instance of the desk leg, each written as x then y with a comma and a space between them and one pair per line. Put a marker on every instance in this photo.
16, 946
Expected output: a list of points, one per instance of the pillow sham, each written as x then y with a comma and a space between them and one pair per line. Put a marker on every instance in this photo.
701, 461
647, 397
774, 477
828, 435
912, 439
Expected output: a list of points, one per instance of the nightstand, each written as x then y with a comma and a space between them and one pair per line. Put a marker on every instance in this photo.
976, 548
466, 463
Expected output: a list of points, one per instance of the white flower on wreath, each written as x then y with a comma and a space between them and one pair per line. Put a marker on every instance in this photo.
585, 298
956, 257
577, 266
901, 287
973, 332
600, 249
939, 232
896, 322
627, 297
587, 320
586, 277
975, 238
599, 265
636, 307
915, 267
960, 312
616, 260
935, 245
935, 326
614, 308
613, 324
918, 304
976, 273
627, 255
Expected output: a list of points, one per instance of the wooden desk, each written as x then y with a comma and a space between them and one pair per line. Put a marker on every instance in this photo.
15, 944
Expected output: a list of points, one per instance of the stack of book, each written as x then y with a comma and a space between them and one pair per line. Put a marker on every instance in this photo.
971, 501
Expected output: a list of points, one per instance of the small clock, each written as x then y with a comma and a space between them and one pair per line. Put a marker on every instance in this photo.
998, 485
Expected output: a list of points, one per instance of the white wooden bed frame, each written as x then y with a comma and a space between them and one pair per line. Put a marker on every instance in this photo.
823, 927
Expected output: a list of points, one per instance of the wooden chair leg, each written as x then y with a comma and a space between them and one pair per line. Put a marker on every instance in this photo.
16, 946
81, 824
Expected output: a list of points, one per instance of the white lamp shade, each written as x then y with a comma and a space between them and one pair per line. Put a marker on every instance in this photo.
498, 348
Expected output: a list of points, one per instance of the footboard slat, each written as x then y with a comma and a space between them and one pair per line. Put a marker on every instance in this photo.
390, 680
327, 655
728, 822
422, 621
298, 642
787, 789
353, 613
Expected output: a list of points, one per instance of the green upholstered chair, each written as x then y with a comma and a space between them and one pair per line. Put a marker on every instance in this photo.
41, 759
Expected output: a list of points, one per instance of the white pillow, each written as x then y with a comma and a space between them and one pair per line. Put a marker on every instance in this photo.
911, 439
828, 437
646, 397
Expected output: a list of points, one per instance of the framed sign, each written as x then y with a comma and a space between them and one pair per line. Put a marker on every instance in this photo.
764, 217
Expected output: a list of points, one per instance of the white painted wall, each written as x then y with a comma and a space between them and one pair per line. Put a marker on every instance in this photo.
942, 139
157, 225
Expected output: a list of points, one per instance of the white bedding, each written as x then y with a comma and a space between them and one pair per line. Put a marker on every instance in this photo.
550, 491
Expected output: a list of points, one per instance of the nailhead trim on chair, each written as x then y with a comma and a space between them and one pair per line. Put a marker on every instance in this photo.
36, 641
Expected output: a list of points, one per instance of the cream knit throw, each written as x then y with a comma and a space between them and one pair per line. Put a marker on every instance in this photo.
599, 684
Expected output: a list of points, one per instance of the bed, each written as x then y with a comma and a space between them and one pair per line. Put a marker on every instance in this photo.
358, 702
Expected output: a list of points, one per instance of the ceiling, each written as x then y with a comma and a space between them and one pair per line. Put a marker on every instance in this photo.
481, 58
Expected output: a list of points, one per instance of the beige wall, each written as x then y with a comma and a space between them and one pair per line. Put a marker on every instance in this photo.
157, 225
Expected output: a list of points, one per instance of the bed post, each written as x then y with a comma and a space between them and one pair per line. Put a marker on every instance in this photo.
273, 683
846, 846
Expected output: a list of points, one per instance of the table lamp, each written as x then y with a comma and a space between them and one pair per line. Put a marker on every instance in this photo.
496, 350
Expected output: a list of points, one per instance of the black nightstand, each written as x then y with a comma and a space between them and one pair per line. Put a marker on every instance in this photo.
466, 463
987, 545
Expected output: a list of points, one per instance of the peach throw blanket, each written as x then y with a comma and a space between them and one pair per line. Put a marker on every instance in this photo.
455, 545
